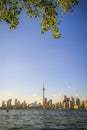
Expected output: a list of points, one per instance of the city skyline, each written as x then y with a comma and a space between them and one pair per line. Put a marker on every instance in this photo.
66, 103
28, 58
44, 98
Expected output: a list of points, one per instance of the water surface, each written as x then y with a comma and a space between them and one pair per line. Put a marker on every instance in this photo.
43, 120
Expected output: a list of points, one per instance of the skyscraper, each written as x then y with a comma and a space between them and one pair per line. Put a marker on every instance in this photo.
43, 96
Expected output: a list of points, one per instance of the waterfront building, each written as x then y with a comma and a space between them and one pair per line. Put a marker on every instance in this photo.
18, 104
66, 105
59, 105
3, 105
34, 105
9, 105
77, 102
24, 105
45, 102
66, 102
15, 104
56, 105
85, 104
50, 103
71, 103
76, 106
65, 99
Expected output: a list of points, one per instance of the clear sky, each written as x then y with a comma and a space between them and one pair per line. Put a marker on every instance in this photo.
28, 58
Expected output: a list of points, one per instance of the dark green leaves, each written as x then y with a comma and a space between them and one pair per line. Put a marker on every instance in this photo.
47, 9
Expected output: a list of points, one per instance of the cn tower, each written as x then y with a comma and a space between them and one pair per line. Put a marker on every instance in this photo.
43, 96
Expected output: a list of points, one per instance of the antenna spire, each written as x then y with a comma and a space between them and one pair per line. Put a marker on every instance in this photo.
43, 96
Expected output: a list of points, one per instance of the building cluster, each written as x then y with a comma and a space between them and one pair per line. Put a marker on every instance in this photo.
16, 105
71, 103
19, 105
66, 104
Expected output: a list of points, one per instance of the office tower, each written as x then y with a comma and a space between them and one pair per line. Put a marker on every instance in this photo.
85, 104
71, 103
50, 103
16, 104
9, 103
78, 102
45, 102
66, 102
24, 105
3, 105
43, 96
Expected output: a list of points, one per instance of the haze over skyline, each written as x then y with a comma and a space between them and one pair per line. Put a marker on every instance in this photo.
28, 58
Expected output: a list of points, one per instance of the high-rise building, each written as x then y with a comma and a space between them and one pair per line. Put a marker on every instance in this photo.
45, 102
71, 103
66, 102
43, 96
16, 104
50, 103
77, 103
9, 103
3, 105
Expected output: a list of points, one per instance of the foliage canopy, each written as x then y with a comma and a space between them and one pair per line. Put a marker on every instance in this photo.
47, 9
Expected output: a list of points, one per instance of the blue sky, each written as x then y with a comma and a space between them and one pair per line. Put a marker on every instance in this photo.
28, 58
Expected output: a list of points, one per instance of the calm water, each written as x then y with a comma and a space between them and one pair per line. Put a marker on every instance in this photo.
43, 120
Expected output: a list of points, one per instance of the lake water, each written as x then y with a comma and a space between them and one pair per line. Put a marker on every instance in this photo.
43, 120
